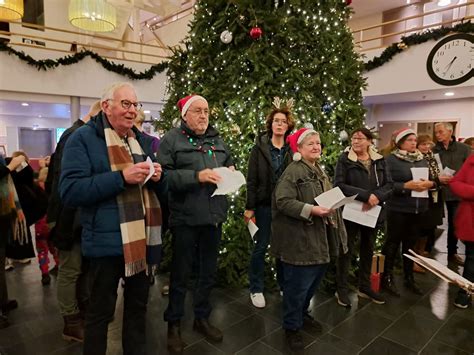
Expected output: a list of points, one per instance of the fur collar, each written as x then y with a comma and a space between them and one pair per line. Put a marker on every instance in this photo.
374, 155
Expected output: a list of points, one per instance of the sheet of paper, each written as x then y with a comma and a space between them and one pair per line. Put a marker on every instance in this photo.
252, 228
353, 212
448, 172
420, 174
333, 199
152, 169
230, 182
438, 161
22, 165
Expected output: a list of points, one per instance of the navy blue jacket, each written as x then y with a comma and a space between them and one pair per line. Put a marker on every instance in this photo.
88, 182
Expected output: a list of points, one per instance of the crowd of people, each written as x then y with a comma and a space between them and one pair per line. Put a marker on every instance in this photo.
102, 202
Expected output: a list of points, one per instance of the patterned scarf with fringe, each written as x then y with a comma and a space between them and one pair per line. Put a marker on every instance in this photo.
10, 208
139, 208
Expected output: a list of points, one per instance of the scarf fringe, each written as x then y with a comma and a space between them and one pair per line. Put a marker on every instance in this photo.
135, 267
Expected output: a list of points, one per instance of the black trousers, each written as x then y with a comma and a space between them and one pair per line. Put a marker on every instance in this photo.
198, 245
366, 250
404, 228
105, 274
452, 207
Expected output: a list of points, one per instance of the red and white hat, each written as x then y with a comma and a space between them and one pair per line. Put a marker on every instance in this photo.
296, 138
185, 102
399, 134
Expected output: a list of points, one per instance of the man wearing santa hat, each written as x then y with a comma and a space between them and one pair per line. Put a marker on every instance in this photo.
188, 154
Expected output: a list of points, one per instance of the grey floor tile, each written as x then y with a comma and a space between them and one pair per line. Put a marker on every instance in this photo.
383, 346
458, 332
258, 348
202, 348
277, 341
437, 348
338, 343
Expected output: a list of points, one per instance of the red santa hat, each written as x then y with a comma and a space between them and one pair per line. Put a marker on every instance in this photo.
296, 138
399, 134
186, 102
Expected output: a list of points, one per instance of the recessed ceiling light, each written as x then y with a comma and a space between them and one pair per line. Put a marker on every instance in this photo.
444, 2
25, 104
146, 111
40, 116
449, 93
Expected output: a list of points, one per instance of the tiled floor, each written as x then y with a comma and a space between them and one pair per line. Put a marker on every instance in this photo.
427, 324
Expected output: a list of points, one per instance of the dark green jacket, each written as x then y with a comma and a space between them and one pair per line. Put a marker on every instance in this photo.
453, 158
182, 155
297, 237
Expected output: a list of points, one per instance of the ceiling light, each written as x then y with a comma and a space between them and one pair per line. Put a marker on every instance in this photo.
25, 104
92, 15
146, 111
449, 93
11, 9
444, 2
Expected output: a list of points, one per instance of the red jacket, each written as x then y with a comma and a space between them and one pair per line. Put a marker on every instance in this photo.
463, 185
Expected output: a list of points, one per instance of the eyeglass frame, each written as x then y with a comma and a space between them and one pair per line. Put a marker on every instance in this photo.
199, 112
282, 122
126, 104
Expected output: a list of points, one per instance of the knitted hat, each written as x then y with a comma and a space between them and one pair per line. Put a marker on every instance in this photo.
186, 102
296, 138
399, 134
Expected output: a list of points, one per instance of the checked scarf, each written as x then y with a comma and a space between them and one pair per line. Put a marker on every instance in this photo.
139, 208
10, 208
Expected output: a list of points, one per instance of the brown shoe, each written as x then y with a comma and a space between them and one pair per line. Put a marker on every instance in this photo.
212, 333
456, 258
73, 328
417, 268
175, 343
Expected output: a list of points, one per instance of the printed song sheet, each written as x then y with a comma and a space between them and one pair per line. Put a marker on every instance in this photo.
230, 182
353, 212
333, 199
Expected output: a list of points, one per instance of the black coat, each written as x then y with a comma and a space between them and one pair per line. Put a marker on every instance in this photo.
261, 179
353, 178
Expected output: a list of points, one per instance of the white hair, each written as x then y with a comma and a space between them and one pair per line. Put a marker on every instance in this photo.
446, 125
112, 89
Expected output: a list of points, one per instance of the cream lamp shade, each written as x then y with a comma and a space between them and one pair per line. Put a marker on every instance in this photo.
11, 9
92, 15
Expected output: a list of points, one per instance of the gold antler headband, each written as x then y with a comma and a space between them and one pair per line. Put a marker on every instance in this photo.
277, 103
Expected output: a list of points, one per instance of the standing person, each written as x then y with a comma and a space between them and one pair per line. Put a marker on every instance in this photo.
404, 212
303, 234
188, 154
72, 288
452, 155
153, 141
433, 217
469, 142
268, 159
103, 172
362, 171
12, 225
463, 186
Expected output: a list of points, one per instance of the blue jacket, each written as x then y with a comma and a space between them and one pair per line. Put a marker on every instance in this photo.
88, 182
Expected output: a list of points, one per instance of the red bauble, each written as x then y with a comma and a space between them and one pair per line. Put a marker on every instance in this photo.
256, 32
348, 2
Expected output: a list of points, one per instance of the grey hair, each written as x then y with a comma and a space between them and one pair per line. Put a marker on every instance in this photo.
446, 125
112, 89
310, 134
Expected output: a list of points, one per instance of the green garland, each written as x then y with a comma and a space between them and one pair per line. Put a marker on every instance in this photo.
77, 57
413, 39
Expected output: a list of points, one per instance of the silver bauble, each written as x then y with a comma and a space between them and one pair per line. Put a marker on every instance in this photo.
226, 37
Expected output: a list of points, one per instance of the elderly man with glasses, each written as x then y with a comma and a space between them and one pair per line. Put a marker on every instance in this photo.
104, 173
188, 154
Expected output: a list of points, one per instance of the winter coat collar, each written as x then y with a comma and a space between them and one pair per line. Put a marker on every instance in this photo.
372, 153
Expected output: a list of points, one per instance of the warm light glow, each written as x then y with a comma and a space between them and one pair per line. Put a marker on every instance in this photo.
146, 111
25, 104
444, 2
449, 93
92, 15
11, 9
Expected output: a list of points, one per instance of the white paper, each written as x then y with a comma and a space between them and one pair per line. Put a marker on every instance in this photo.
22, 165
448, 172
420, 174
353, 212
152, 169
252, 228
230, 181
441, 271
333, 199
438, 161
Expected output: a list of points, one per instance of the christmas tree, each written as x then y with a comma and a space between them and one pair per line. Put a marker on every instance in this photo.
239, 55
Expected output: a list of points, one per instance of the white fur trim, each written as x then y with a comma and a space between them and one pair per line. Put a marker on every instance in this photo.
189, 102
297, 156
404, 133
304, 134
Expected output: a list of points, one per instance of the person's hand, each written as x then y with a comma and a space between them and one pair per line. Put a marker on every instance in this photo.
427, 184
321, 211
249, 215
47, 160
366, 207
16, 162
445, 179
414, 185
373, 200
157, 174
208, 175
136, 173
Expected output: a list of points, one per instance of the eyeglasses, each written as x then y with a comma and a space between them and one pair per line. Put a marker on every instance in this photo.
282, 122
127, 104
200, 112
358, 138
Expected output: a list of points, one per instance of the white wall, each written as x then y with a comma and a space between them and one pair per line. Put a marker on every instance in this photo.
461, 110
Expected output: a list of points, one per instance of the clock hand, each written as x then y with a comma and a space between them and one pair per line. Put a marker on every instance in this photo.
449, 64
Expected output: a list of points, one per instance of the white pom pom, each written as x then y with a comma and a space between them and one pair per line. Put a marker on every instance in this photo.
297, 156
308, 125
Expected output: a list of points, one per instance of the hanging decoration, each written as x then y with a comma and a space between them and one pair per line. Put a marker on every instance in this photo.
326, 108
46, 64
226, 37
348, 2
343, 135
11, 9
92, 15
256, 32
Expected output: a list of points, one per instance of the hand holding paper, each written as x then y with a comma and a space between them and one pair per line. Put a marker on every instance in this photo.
252, 227
152, 169
418, 175
333, 199
230, 181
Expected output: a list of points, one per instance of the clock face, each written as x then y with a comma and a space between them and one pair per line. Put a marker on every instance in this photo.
451, 61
